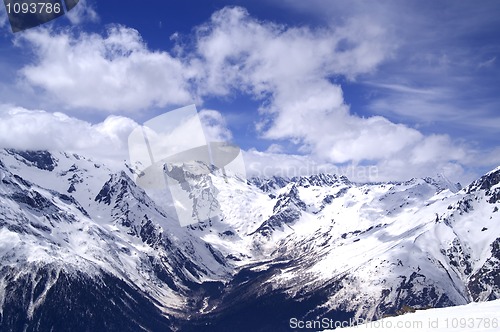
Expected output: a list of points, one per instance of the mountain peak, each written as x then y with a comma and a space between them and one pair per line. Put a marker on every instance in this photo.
487, 181
321, 179
441, 182
41, 159
118, 184
275, 182
270, 184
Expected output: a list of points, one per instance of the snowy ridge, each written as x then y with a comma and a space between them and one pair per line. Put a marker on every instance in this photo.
320, 244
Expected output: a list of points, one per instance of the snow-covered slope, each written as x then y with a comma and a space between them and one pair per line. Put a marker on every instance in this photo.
384, 246
64, 219
481, 317
315, 246
330, 246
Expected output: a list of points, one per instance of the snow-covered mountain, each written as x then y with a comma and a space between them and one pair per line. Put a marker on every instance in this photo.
78, 239
84, 248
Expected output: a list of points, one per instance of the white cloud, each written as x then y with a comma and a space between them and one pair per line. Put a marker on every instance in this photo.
416, 106
108, 140
82, 12
275, 148
267, 164
3, 17
117, 72
437, 148
114, 73
214, 126
444, 71
405, 88
238, 51
39, 130
290, 69
487, 63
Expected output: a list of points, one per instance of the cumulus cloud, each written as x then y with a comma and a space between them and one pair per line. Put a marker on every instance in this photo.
214, 126
83, 12
232, 51
290, 70
108, 140
275, 148
238, 51
114, 73
40, 130
267, 164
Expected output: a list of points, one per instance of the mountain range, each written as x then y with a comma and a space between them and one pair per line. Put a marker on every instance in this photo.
83, 248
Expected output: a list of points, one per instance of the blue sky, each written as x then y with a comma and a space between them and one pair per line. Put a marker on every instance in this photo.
410, 87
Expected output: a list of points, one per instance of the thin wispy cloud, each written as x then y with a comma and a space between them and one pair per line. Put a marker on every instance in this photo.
405, 88
3, 17
487, 63
442, 52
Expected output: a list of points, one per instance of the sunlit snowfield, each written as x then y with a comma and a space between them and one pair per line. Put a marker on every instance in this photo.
477, 317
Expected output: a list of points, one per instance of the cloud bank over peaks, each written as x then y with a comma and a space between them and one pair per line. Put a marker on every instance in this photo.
40, 130
107, 141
